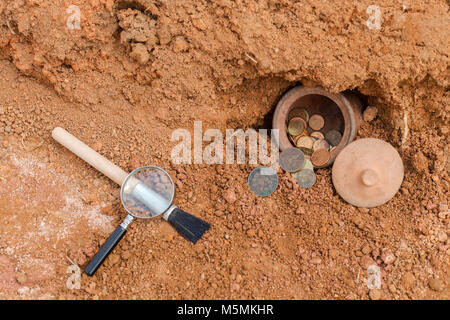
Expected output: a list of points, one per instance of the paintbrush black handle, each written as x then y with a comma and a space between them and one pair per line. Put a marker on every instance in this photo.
105, 250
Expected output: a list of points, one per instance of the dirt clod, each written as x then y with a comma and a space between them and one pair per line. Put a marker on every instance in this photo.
436, 284
140, 53
408, 281
370, 113
375, 294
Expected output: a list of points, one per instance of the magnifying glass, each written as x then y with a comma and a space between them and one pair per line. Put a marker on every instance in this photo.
146, 193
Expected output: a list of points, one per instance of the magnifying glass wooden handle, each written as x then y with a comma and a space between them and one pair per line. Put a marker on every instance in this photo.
89, 155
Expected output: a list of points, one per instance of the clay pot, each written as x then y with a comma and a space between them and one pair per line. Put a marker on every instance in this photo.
341, 111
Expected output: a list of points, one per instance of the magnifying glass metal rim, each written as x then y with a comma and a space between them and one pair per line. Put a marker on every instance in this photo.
130, 175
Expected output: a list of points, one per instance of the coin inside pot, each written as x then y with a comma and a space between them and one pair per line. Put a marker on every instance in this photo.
296, 126
340, 112
316, 122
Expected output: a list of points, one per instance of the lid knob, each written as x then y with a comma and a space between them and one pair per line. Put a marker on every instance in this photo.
369, 177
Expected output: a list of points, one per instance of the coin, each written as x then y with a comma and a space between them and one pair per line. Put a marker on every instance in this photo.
303, 114
292, 139
304, 133
296, 126
320, 157
321, 144
294, 174
306, 178
317, 135
292, 159
306, 152
316, 122
333, 137
305, 142
263, 181
308, 165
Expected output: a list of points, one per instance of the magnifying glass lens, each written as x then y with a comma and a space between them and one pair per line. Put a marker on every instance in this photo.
147, 192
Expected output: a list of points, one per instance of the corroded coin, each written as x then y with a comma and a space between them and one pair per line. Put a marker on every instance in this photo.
321, 144
292, 159
317, 135
320, 157
316, 122
333, 137
305, 142
308, 165
263, 181
306, 178
296, 126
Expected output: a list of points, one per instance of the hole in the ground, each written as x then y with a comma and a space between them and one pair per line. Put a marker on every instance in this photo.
266, 122
363, 98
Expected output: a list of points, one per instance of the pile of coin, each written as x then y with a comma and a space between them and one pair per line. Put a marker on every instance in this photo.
305, 133
293, 160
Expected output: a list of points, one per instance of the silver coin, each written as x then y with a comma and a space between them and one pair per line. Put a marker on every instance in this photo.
306, 178
292, 159
333, 137
263, 181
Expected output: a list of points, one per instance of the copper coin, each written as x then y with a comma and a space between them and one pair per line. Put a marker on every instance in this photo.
292, 159
306, 178
304, 133
296, 126
333, 137
317, 135
321, 144
320, 157
316, 122
305, 142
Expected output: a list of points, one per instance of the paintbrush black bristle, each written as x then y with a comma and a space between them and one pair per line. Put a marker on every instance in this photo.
190, 227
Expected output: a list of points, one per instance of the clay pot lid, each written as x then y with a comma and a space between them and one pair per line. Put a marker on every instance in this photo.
368, 172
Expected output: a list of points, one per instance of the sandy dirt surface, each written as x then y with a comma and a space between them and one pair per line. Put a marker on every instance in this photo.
137, 70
